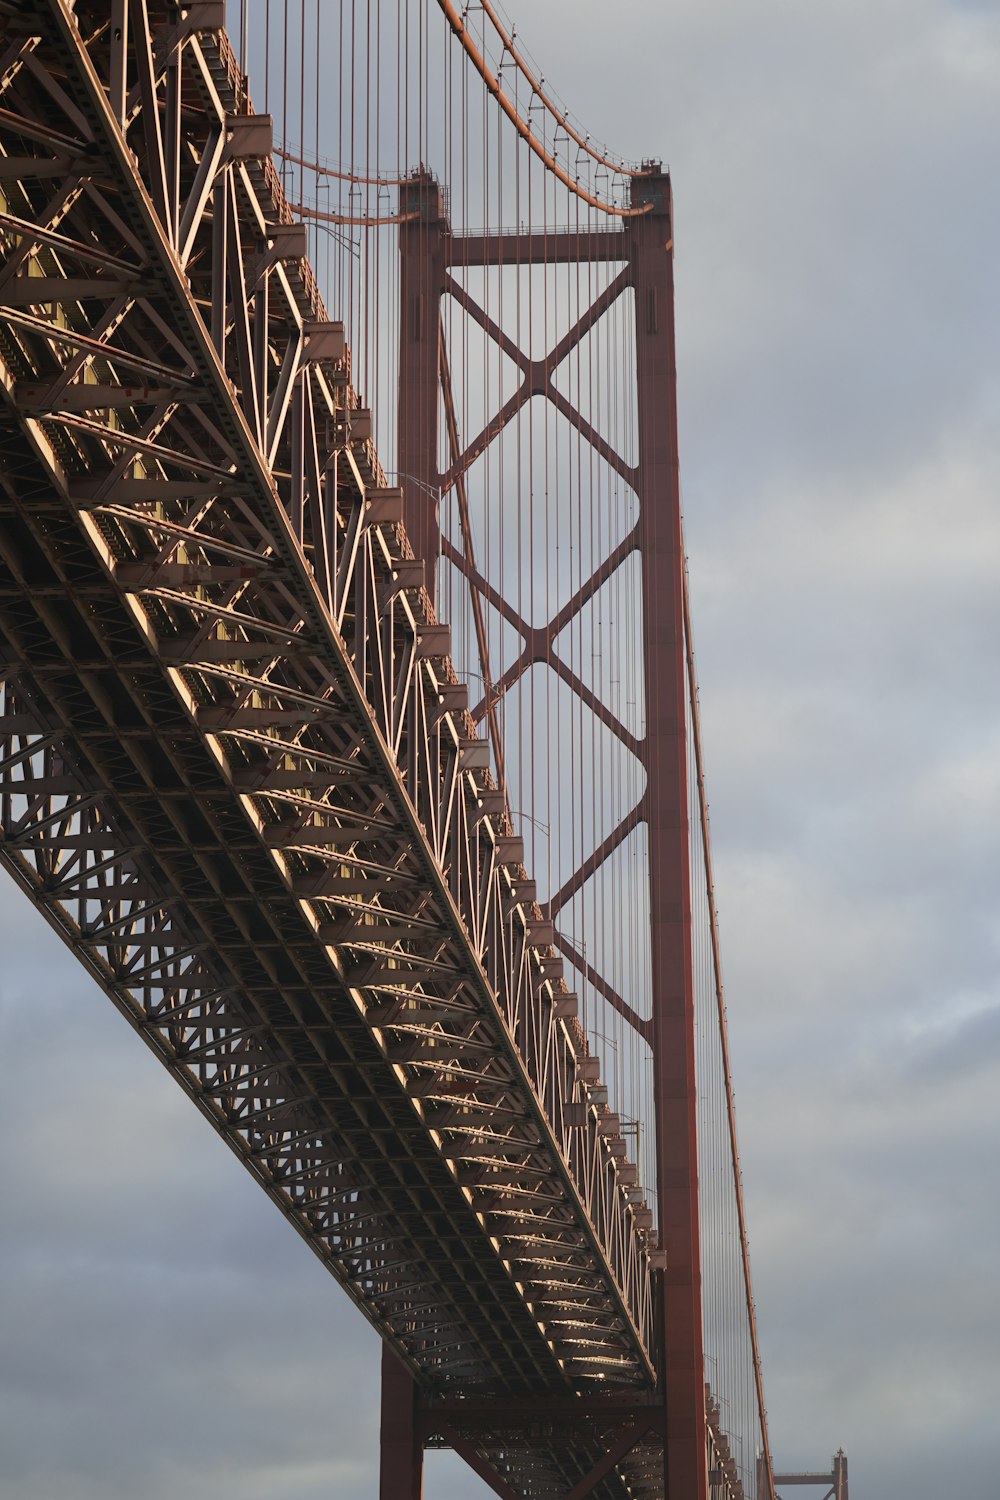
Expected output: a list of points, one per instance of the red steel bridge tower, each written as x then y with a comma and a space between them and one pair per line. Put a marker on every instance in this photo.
378, 809
642, 249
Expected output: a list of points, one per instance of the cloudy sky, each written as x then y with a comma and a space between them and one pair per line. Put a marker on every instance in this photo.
835, 169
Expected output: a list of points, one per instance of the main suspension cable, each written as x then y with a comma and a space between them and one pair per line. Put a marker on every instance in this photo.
522, 127
561, 117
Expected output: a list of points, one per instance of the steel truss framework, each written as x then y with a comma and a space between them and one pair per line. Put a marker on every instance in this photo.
239, 776
237, 772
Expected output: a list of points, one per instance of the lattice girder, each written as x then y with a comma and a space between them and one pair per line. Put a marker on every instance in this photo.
236, 770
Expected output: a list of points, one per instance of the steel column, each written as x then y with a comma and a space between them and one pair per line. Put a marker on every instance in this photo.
840, 1474
421, 259
673, 1040
401, 1469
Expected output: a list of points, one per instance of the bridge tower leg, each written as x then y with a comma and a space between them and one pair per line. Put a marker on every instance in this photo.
682, 1358
401, 1453
840, 1475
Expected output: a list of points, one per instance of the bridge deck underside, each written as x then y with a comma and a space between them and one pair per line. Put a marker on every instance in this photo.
299, 1055
232, 769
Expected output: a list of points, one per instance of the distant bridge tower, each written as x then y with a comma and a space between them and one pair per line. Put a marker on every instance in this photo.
833, 1484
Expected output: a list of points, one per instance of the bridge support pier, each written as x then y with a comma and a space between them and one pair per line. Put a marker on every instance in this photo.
401, 1461
507, 1441
681, 1353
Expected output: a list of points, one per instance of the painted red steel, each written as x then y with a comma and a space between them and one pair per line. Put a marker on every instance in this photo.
422, 269
644, 245
661, 547
401, 1468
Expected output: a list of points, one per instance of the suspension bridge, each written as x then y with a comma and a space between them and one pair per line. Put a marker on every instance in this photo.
349, 724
